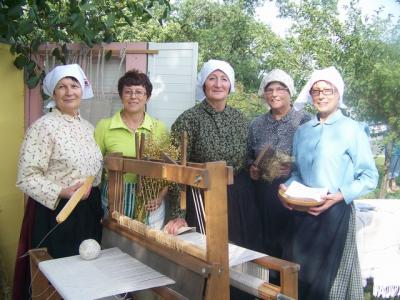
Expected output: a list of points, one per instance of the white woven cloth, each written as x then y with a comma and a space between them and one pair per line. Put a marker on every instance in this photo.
112, 273
378, 242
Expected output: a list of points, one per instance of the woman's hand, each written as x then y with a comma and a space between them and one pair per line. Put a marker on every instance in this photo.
67, 193
284, 170
284, 188
173, 225
329, 200
255, 173
154, 204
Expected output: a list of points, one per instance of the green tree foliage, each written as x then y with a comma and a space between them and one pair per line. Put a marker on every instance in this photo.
364, 49
226, 31
27, 24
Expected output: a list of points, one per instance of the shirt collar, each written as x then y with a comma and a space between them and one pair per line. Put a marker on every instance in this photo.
211, 110
284, 119
337, 115
116, 122
66, 117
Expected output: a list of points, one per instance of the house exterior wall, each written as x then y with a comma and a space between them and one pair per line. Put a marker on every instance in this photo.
11, 135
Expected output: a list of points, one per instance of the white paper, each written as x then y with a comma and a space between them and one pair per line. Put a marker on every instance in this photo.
237, 254
300, 191
185, 229
113, 272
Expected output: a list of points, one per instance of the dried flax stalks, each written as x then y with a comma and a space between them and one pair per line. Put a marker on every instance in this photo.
270, 163
151, 191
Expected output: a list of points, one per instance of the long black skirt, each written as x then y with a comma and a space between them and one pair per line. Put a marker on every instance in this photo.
317, 245
83, 223
244, 222
275, 218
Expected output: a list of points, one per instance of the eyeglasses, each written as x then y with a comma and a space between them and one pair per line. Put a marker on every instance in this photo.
280, 91
138, 93
326, 92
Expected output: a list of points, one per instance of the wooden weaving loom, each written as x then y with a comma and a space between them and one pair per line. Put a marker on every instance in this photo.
199, 273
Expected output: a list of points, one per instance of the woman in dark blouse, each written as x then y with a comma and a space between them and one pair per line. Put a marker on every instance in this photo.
275, 129
216, 132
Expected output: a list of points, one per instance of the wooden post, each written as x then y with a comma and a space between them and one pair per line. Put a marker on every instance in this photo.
41, 288
216, 210
183, 188
114, 188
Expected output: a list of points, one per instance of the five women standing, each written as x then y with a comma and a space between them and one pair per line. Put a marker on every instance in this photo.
330, 150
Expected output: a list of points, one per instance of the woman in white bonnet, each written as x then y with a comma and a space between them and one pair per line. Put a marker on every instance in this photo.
275, 130
217, 131
57, 155
331, 151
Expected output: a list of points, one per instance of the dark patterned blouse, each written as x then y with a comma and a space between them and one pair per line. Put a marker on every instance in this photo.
214, 135
277, 133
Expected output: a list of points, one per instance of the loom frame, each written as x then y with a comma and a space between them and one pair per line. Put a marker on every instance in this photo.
213, 264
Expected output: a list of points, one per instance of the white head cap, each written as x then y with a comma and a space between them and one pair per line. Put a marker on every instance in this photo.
277, 75
59, 72
330, 75
210, 67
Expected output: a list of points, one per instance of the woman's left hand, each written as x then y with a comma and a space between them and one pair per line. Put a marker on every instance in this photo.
173, 225
284, 170
329, 200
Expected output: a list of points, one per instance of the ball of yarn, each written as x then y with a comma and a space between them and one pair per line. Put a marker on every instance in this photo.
89, 249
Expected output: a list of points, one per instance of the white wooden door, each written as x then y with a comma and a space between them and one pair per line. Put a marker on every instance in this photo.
173, 74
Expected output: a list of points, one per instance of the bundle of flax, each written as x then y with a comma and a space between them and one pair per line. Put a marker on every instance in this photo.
151, 191
269, 162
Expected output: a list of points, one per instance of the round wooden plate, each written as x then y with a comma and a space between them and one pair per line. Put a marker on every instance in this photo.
297, 203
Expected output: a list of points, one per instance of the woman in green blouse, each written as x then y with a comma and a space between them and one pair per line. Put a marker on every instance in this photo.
116, 134
217, 131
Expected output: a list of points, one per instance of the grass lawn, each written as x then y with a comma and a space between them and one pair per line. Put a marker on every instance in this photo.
379, 161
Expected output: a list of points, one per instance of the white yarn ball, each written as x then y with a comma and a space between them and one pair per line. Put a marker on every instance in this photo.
89, 249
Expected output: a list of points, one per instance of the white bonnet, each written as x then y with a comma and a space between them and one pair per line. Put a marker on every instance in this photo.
59, 72
330, 75
277, 75
209, 67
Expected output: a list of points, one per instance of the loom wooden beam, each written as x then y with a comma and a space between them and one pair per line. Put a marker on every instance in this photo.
180, 258
288, 273
182, 175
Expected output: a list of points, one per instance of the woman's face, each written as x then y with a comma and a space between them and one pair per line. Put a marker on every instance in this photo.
217, 86
325, 98
134, 99
277, 96
67, 95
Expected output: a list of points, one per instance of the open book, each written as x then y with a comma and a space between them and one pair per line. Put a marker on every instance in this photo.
299, 191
